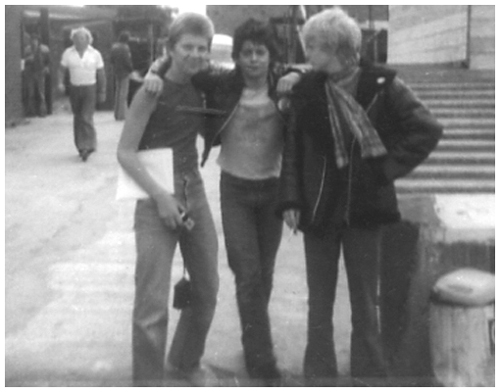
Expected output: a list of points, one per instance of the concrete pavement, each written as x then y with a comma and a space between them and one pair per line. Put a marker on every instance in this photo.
70, 261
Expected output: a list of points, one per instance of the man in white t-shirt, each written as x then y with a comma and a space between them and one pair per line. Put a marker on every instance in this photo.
87, 82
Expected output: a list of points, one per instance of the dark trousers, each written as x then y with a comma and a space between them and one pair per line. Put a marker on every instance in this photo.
361, 256
252, 235
83, 101
36, 94
121, 94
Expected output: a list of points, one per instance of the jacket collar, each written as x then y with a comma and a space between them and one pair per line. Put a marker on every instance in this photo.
372, 79
237, 83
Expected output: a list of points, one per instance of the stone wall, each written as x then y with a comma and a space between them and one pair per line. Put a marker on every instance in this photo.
482, 37
442, 34
427, 34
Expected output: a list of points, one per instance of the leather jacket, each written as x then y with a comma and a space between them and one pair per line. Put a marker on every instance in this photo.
222, 89
363, 191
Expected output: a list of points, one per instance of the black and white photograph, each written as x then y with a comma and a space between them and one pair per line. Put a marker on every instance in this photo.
249, 195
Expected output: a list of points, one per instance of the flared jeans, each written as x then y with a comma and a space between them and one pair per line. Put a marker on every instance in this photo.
83, 103
360, 249
156, 245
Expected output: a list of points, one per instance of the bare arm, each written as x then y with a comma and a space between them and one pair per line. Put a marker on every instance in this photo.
60, 77
140, 111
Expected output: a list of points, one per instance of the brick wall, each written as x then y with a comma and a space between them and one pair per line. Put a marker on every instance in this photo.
13, 83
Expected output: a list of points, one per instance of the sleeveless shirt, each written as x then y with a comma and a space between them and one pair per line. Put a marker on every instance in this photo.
170, 127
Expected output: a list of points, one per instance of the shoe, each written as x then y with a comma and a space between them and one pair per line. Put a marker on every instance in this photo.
202, 377
270, 375
84, 154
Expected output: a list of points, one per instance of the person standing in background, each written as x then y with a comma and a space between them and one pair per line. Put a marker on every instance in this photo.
121, 60
36, 69
87, 82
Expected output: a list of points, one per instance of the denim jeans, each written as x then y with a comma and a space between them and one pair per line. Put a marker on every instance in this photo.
83, 101
121, 94
155, 250
361, 255
252, 236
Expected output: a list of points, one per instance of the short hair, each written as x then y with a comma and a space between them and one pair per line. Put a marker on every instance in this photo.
337, 30
258, 32
190, 23
82, 30
124, 37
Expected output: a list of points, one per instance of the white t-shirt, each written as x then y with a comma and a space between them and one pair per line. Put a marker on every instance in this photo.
82, 70
252, 142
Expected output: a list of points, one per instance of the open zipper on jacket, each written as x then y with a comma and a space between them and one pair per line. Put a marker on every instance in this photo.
321, 187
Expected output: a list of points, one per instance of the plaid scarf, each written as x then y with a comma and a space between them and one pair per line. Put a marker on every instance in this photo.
348, 117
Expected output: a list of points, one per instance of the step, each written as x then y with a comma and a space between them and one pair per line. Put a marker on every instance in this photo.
409, 185
453, 171
474, 123
475, 157
466, 145
448, 94
469, 133
421, 86
441, 112
439, 73
484, 103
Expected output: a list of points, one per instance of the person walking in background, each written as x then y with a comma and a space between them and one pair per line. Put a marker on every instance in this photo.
153, 122
36, 69
250, 129
121, 60
354, 129
87, 82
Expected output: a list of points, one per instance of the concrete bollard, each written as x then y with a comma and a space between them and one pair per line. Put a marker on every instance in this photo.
438, 234
462, 320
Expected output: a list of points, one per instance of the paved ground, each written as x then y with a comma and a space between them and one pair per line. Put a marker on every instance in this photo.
70, 261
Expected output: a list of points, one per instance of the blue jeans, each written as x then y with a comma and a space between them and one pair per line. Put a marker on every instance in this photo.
361, 255
155, 250
83, 101
252, 235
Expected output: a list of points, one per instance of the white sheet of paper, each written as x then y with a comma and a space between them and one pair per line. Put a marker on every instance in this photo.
160, 165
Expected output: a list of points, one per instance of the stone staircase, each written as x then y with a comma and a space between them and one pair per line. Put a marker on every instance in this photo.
464, 102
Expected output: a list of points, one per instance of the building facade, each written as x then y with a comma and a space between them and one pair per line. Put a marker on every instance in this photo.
51, 22
13, 82
288, 19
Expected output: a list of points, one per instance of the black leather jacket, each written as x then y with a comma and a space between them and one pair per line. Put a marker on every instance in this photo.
222, 89
363, 191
